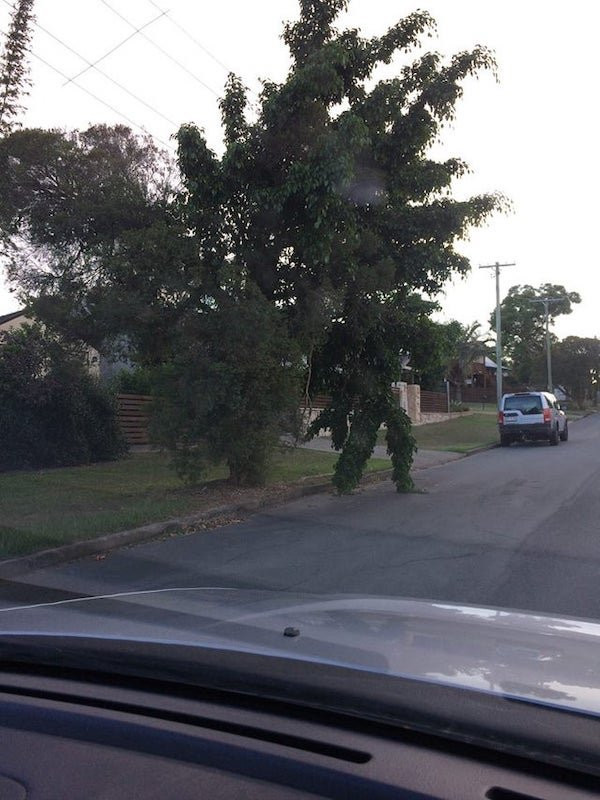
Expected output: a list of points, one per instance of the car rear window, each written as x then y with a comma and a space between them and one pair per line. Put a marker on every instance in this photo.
526, 404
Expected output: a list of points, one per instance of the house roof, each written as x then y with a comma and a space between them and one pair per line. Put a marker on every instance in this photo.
14, 315
489, 363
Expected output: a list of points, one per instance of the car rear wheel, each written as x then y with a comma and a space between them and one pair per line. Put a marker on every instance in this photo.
565, 434
554, 437
505, 441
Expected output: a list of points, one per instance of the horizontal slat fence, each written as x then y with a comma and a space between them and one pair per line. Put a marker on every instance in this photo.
317, 402
133, 416
433, 403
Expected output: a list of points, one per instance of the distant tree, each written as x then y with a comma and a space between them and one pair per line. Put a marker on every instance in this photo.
465, 343
576, 367
428, 347
13, 64
523, 327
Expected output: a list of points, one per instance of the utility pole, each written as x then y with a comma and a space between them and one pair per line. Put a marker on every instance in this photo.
497, 267
546, 303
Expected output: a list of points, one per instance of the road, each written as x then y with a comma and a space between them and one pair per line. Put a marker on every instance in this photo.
517, 528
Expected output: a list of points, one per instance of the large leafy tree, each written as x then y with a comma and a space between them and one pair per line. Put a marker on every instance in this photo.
91, 235
320, 227
576, 367
96, 240
524, 328
13, 64
329, 206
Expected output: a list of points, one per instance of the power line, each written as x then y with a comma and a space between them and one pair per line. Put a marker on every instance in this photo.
161, 49
95, 97
100, 100
117, 46
100, 71
199, 44
185, 31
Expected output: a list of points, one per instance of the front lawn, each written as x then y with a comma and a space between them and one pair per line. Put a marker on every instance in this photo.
53, 507
459, 435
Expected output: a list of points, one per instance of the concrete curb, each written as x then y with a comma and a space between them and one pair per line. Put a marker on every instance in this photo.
583, 416
481, 449
111, 541
13, 567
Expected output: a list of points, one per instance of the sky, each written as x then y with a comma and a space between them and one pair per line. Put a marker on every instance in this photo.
532, 135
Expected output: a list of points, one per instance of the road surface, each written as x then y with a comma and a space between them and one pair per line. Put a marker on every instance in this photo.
518, 528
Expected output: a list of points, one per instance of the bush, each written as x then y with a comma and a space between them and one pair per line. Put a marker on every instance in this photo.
53, 413
133, 381
231, 388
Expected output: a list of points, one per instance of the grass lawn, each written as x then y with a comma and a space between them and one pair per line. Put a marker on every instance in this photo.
458, 435
53, 507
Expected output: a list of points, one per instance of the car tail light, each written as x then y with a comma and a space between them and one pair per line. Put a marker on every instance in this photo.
547, 415
501, 417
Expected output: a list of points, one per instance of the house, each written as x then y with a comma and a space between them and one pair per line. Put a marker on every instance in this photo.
483, 373
16, 319
98, 365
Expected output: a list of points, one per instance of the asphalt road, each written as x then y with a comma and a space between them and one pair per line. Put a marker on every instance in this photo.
516, 528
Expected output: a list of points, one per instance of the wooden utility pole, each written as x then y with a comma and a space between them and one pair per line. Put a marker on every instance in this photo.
497, 267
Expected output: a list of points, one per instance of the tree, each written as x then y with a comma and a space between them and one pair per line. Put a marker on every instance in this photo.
224, 393
52, 412
576, 367
325, 214
13, 64
92, 238
524, 327
330, 207
464, 344
429, 348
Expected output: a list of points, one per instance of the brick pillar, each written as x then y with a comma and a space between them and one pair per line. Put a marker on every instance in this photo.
413, 406
403, 397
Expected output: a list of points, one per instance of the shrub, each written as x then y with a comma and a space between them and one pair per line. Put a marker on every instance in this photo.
230, 389
133, 381
53, 413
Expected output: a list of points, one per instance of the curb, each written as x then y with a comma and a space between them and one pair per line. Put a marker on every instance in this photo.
483, 449
583, 416
111, 541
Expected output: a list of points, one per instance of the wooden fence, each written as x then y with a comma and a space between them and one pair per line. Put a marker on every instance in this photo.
433, 403
317, 402
479, 394
133, 416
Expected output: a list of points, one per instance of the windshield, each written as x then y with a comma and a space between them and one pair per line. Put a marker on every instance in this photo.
526, 404
267, 271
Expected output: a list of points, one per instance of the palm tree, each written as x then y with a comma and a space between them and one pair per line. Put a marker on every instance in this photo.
468, 344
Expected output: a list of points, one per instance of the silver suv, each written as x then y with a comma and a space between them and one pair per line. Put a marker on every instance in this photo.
531, 415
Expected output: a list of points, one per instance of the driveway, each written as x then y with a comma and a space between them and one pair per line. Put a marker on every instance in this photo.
517, 527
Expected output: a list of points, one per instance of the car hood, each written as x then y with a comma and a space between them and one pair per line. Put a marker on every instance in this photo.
534, 657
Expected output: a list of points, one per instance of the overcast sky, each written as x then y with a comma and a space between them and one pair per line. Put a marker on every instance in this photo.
533, 135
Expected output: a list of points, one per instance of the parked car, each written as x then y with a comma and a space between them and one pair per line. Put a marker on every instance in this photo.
531, 416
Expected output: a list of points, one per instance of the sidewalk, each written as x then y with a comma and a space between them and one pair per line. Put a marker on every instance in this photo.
423, 458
